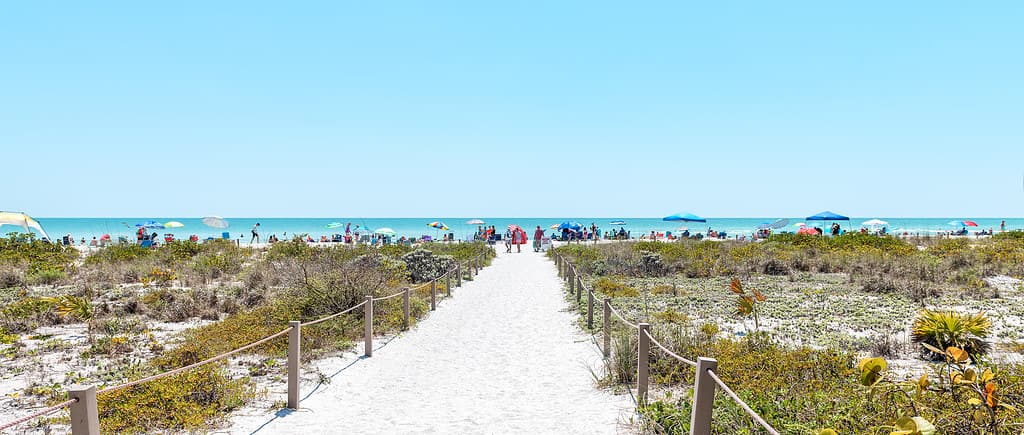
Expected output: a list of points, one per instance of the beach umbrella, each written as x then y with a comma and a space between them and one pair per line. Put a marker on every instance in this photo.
799, 224
779, 223
684, 217
385, 231
963, 223
150, 224
514, 227
215, 222
618, 222
173, 224
22, 220
827, 216
874, 223
439, 225
570, 225
764, 225
334, 225
554, 227
475, 222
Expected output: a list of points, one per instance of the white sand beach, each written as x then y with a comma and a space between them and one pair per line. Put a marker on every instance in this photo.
502, 356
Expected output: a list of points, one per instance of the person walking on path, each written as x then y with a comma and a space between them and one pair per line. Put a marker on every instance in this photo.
508, 240
518, 238
538, 234
255, 233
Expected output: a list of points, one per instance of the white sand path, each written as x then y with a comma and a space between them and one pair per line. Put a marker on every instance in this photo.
502, 356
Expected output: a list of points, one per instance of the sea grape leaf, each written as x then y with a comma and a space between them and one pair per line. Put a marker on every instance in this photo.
914, 426
959, 355
990, 395
871, 370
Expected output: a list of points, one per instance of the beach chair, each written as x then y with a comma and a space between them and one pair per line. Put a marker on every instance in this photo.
225, 235
146, 243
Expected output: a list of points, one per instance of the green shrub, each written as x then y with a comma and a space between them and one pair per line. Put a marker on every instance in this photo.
118, 253
37, 255
615, 289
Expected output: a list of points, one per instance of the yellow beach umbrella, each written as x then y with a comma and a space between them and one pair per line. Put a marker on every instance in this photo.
22, 220
173, 224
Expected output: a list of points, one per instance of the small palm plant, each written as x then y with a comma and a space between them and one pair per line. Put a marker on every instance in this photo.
746, 304
75, 308
942, 329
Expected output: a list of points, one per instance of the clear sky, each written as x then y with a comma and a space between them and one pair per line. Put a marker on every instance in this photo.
543, 108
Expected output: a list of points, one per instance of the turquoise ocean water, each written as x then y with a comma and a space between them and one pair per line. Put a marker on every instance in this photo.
417, 227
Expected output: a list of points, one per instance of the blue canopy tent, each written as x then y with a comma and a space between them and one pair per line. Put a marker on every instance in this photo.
827, 216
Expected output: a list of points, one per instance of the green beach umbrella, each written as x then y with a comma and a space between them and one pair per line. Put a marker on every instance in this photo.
385, 231
173, 224
333, 225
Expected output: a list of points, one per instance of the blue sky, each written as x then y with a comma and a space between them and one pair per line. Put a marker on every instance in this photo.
528, 109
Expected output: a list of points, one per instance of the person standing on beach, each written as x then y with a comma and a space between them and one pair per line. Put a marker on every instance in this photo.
1002, 227
538, 234
255, 233
508, 240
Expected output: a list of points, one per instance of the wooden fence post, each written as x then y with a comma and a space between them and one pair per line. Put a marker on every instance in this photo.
85, 417
590, 310
448, 283
579, 288
703, 397
607, 327
458, 275
572, 282
406, 308
643, 356
294, 361
368, 333
433, 295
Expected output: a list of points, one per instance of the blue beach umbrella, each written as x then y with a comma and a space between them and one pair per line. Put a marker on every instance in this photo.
570, 225
684, 217
150, 224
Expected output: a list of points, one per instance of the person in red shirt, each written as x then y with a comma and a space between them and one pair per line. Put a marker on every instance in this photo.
538, 234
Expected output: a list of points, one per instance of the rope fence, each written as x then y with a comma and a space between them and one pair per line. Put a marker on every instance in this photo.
82, 399
705, 380
42, 412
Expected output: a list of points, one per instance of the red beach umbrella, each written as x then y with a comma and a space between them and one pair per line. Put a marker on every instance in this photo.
970, 223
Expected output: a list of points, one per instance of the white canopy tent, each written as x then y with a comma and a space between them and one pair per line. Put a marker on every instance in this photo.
22, 220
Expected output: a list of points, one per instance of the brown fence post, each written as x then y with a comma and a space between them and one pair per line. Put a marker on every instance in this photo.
558, 263
572, 282
579, 288
294, 361
368, 332
458, 275
85, 417
433, 295
590, 309
448, 283
703, 397
607, 327
643, 356
406, 308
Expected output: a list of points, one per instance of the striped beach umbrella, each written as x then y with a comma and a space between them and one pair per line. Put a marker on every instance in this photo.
439, 225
